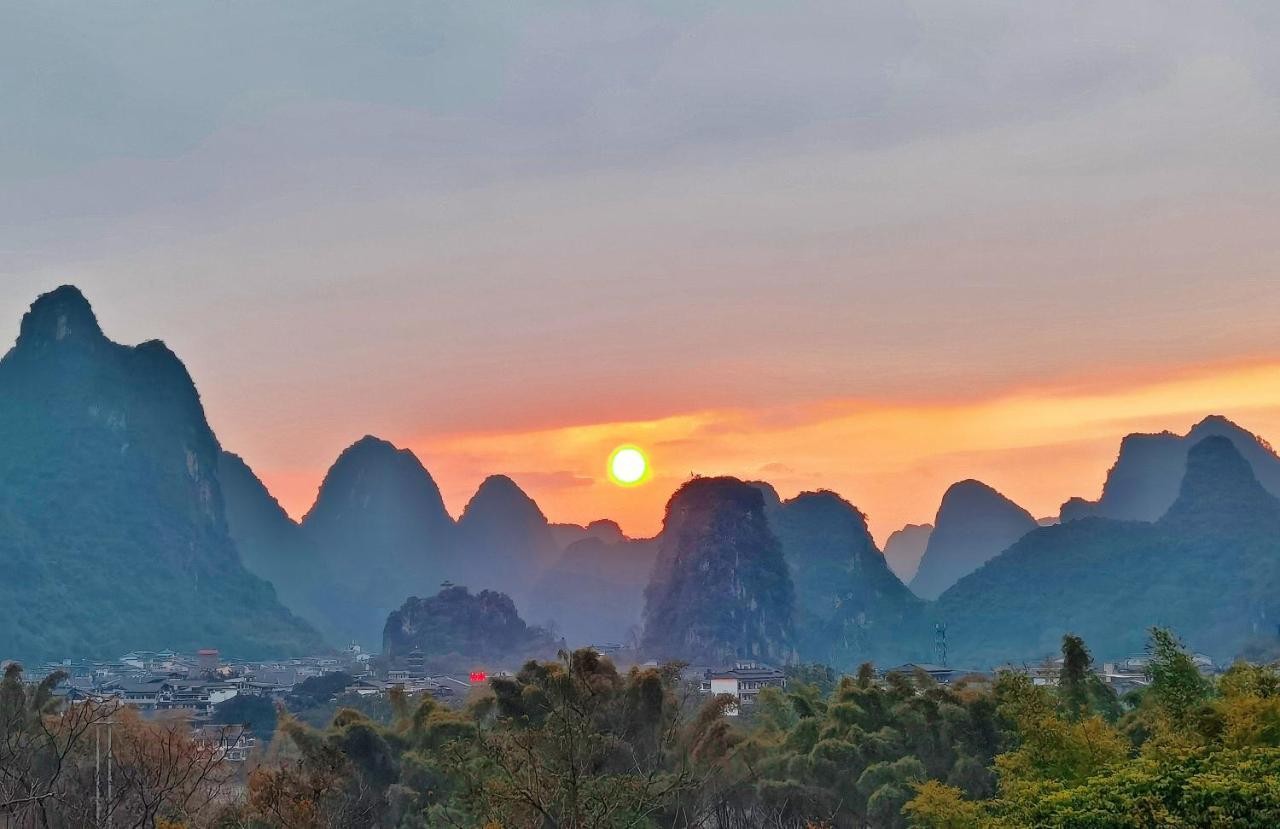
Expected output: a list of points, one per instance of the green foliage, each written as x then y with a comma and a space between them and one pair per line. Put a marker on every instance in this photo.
315, 690
575, 743
1080, 691
258, 713
1215, 790
857, 754
938, 806
1210, 754
1176, 685
569, 744
820, 676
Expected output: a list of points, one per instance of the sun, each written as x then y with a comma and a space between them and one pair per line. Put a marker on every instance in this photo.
628, 466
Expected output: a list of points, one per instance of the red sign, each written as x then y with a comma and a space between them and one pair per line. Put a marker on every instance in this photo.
478, 676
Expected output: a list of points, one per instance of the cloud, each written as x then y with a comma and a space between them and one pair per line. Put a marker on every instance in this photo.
1039, 445
552, 480
432, 220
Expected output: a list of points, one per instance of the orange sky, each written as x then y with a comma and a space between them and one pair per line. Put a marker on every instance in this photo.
893, 459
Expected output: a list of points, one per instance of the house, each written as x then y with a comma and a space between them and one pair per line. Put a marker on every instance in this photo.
145, 695
1125, 675
232, 743
744, 681
170, 693
1045, 672
369, 687
264, 689
941, 674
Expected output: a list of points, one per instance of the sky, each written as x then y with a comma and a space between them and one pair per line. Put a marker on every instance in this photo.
876, 247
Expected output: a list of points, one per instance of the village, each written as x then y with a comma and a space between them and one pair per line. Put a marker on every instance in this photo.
167, 683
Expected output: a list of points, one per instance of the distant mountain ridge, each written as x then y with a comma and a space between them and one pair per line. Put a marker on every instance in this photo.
974, 524
905, 547
113, 532
117, 505
604, 529
379, 532
271, 544
595, 590
503, 538
1209, 568
1144, 481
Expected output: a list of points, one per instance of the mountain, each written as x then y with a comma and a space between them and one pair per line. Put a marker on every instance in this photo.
380, 533
602, 529
1209, 568
905, 548
113, 533
1144, 481
595, 591
455, 627
720, 587
503, 538
850, 608
273, 546
974, 523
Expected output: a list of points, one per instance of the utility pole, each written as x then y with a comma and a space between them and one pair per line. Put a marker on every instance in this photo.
110, 791
97, 774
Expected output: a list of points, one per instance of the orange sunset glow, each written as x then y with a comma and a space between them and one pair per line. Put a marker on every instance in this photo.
893, 460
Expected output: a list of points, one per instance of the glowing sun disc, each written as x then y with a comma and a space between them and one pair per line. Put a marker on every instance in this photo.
627, 466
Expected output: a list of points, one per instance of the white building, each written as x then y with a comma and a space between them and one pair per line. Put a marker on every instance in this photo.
744, 681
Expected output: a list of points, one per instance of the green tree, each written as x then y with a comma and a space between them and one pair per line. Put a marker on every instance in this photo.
1177, 687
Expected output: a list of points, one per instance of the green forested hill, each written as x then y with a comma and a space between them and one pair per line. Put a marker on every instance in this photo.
720, 588
112, 528
455, 623
1209, 568
850, 607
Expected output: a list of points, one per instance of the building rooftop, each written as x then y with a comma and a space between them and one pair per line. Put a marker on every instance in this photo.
744, 670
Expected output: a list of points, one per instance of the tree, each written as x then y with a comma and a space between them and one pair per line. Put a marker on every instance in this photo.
1080, 691
50, 753
938, 806
39, 748
574, 744
1052, 751
1073, 679
256, 713
1176, 685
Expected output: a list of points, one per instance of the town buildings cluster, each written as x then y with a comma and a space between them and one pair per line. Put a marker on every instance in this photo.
160, 683
746, 679
157, 683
